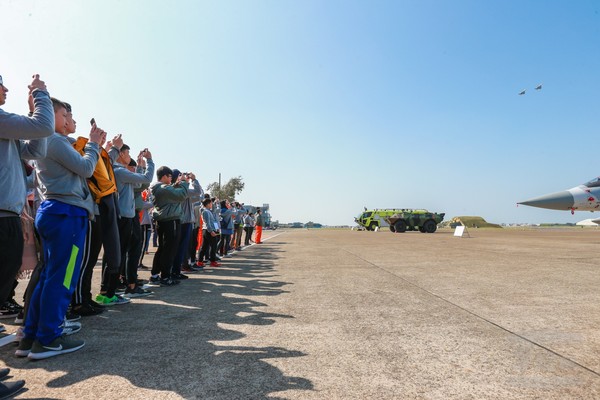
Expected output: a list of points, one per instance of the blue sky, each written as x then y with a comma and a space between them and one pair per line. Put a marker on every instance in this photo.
324, 107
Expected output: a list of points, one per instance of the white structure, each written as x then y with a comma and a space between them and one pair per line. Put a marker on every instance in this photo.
589, 222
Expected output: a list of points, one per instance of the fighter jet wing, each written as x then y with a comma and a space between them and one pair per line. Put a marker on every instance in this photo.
522, 93
538, 87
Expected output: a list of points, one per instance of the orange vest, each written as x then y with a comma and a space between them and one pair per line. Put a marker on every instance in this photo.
102, 183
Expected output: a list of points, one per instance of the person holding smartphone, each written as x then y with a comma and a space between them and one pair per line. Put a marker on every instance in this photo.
21, 137
167, 199
62, 222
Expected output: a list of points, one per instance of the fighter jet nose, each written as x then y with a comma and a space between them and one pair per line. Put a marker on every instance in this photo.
554, 201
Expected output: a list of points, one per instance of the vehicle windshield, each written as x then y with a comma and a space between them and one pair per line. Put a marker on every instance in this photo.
366, 215
593, 183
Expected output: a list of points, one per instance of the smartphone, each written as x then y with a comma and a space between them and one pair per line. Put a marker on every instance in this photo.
93, 121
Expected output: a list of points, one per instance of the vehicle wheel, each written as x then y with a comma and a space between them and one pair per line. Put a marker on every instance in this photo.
430, 226
400, 226
421, 229
392, 228
372, 226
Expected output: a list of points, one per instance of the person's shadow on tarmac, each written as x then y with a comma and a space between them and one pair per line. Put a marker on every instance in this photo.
173, 340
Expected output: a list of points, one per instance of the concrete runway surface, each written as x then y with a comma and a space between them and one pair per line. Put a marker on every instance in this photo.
338, 314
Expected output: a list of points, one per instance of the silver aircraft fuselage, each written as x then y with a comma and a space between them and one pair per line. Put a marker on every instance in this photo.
584, 197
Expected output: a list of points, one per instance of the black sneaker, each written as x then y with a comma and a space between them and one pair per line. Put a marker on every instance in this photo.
86, 309
96, 304
14, 304
60, 345
154, 279
8, 311
6, 314
71, 316
136, 292
168, 282
9, 389
179, 276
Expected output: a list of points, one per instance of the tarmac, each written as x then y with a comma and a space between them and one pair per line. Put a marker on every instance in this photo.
339, 314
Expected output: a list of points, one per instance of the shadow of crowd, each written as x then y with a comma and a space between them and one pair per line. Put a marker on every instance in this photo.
174, 340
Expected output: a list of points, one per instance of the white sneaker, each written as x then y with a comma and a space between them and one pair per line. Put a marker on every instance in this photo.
70, 328
6, 338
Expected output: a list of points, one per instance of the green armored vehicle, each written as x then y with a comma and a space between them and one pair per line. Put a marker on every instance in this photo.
410, 220
371, 219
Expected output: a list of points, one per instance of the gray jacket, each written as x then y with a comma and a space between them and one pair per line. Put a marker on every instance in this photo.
14, 131
62, 174
227, 215
239, 216
210, 223
125, 181
167, 200
248, 221
193, 194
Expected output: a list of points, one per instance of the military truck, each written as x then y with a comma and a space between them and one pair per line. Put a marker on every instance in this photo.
371, 219
410, 220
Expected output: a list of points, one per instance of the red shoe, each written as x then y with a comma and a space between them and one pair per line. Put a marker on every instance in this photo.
199, 264
215, 264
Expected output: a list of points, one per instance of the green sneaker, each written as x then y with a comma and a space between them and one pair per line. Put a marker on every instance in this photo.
102, 299
58, 346
24, 347
111, 301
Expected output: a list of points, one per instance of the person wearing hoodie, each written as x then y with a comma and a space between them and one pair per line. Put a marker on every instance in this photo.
167, 199
187, 221
127, 218
210, 230
248, 228
227, 216
238, 226
20, 137
62, 222
103, 231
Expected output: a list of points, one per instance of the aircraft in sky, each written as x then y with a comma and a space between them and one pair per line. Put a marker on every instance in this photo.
584, 197
538, 87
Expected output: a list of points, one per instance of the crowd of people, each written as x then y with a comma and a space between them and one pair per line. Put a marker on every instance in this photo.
87, 196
